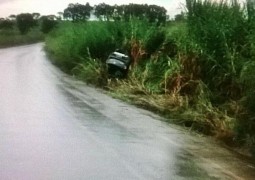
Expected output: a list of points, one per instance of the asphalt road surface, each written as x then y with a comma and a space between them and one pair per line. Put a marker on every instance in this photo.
53, 127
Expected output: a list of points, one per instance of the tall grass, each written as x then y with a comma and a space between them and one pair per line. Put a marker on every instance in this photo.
71, 43
220, 29
223, 33
206, 71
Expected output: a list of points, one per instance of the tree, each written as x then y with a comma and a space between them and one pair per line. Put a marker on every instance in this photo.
157, 14
12, 17
6, 24
154, 13
52, 17
36, 16
25, 22
77, 12
118, 12
60, 15
135, 10
104, 11
47, 23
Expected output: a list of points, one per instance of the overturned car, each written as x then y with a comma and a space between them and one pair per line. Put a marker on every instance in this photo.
118, 64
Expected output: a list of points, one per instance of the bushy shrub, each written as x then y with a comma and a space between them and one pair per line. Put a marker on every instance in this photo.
25, 22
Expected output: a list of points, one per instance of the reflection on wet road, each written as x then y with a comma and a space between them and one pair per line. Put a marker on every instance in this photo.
54, 127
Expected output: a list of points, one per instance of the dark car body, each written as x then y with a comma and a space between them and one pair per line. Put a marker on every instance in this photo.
118, 64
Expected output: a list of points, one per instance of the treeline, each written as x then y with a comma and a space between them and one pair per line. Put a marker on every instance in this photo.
25, 28
153, 13
79, 12
25, 22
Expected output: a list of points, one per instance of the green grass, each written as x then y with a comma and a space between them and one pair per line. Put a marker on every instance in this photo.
12, 37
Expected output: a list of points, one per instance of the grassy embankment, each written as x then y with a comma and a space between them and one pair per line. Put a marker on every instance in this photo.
199, 72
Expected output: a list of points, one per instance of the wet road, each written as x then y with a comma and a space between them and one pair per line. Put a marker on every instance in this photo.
54, 127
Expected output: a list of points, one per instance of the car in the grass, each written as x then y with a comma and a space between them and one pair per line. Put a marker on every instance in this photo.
118, 64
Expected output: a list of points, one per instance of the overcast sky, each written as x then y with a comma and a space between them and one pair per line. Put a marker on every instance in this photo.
46, 7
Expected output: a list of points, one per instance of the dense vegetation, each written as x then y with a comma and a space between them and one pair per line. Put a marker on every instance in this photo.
198, 69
